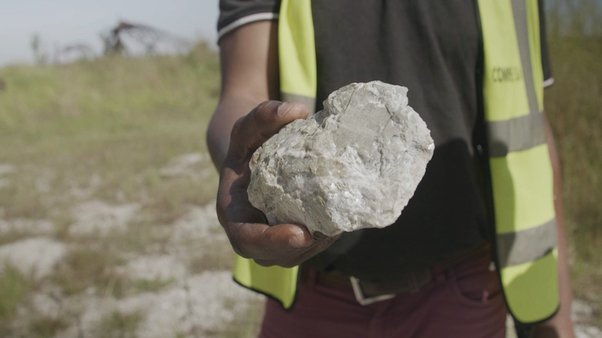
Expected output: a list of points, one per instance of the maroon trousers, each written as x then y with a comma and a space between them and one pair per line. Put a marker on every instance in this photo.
464, 301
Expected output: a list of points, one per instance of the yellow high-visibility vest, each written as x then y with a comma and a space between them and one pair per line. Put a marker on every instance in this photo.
520, 167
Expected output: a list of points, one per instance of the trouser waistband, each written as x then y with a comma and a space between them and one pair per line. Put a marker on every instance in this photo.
369, 291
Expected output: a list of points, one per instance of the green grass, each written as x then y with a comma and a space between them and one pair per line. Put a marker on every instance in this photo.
47, 327
85, 268
118, 118
13, 291
105, 126
573, 106
119, 325
144, 285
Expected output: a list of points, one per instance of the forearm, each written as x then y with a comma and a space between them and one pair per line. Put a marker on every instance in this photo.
249, 66
561, 324
226, 113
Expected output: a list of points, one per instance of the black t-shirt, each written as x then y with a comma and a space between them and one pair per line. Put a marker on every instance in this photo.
434, 48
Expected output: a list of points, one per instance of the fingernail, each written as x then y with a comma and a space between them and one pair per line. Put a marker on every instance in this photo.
299, 239
286, 108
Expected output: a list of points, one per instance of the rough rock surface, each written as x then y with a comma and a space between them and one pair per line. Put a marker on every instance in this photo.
353, 165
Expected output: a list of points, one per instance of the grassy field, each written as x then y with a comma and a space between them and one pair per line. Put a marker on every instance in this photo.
105, 130
122, 135
116, 118
573, 105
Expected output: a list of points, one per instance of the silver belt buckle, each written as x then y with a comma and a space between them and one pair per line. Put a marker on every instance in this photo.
361, 298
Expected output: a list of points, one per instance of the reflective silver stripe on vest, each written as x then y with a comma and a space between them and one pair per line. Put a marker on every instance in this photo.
527, 245
310, 102
519, 9
520, 133
524, 132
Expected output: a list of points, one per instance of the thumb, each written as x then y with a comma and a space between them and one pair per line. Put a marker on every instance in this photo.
253, 129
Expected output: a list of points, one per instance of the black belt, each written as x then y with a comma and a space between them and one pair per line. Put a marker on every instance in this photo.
367, 292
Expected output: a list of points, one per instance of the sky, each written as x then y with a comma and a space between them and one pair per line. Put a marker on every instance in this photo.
63, 22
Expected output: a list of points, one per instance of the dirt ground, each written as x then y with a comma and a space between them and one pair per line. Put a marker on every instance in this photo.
106, 273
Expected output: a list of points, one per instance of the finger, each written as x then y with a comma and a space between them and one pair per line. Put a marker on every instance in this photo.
263, 242
247, 135
253, 129
319, 244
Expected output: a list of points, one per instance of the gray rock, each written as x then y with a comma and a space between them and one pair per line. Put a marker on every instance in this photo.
353, 165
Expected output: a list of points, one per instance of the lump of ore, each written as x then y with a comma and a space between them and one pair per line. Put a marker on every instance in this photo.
353, 165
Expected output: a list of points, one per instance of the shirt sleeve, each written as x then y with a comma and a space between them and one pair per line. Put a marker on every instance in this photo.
548, 79
236, 13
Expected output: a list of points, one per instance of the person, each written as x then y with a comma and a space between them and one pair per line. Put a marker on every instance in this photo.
431, 273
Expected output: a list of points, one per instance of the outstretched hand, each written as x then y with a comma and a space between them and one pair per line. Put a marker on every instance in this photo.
246, 226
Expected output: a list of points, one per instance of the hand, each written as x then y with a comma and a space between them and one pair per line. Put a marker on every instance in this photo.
559, 326
250, 235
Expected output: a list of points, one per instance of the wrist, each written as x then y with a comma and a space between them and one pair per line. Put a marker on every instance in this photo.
559, 326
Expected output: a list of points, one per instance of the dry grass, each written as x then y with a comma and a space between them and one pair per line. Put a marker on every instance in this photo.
13, 290
118, 325
101, 130
85, 268
573, 105
47, 327
115, 119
